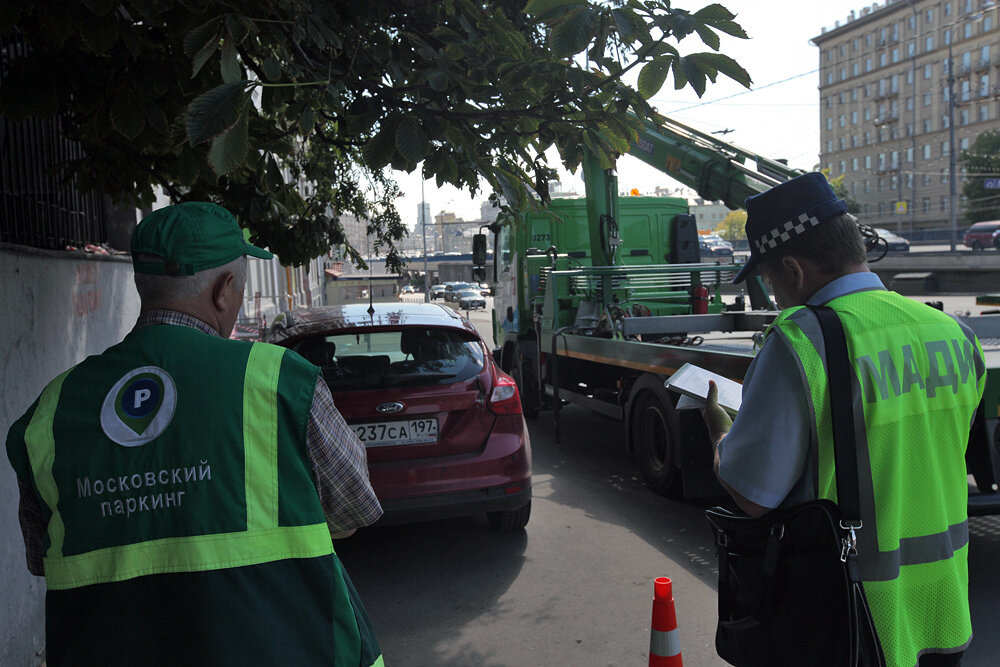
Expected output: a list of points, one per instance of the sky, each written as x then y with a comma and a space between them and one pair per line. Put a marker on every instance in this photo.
778, 117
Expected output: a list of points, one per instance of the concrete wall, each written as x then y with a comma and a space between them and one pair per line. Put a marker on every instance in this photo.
55, 309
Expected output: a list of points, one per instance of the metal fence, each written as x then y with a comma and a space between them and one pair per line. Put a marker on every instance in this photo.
37, 208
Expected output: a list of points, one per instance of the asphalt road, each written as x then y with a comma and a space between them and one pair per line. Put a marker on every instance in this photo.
574, 588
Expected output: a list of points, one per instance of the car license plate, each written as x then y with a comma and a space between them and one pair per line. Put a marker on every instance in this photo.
410, 432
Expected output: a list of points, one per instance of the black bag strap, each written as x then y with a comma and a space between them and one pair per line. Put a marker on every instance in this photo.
838, 371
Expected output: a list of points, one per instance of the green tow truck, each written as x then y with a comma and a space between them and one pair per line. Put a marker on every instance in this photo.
598, 300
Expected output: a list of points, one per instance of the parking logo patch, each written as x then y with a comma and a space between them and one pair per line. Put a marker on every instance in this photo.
139, 407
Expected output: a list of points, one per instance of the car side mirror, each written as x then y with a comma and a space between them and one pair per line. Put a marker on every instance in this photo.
479, 274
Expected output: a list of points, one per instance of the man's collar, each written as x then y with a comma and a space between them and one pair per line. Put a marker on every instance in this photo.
162, 316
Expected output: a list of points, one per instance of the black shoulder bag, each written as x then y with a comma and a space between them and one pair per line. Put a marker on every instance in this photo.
789, 585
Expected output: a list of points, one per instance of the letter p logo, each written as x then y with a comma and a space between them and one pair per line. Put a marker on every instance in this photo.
141, 396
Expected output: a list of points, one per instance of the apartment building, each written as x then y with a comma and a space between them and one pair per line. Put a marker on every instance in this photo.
895, 80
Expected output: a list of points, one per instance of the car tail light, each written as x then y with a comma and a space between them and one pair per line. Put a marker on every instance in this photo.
505, 400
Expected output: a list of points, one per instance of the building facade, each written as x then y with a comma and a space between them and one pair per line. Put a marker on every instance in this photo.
895, 79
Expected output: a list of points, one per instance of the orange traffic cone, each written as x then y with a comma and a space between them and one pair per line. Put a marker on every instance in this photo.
664, 643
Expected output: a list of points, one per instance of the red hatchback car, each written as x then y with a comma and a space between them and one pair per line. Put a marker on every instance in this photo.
441, 423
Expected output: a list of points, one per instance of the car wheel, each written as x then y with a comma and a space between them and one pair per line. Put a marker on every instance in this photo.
512, 520
654, 437
977, 246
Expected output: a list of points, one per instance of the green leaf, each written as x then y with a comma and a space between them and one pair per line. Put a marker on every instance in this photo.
438, 81
237, 28
98, 33
200, 44
307, 120
410, 140
272, 69
157, 119
212, 113
127, 117
378, 151
541, 7
712, 62
708, 36
627, 23
229, 149
275, 179
651, 77
100, 7
231, 69
573, 32
187, 167
694, 74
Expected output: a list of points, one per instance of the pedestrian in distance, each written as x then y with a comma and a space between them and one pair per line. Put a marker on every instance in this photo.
918, 379
179, 491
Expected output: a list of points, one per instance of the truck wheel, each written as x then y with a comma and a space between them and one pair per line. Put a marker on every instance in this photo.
526, 386
654, 440
512, 520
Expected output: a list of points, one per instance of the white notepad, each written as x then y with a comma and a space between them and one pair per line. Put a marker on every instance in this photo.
691, 382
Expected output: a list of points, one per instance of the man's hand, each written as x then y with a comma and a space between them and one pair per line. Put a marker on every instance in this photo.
716, 419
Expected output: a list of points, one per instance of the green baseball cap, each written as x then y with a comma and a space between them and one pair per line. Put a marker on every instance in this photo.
190, 237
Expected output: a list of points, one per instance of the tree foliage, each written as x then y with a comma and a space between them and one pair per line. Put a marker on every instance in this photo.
980, 162
732, 226
840, 189
234, 101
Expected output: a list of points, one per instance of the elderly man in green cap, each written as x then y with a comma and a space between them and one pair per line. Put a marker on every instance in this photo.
179, 491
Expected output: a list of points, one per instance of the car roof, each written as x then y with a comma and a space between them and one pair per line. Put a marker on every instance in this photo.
353, 316
985, 224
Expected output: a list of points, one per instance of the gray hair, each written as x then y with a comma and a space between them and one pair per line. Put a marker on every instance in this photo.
832, 246
155, 288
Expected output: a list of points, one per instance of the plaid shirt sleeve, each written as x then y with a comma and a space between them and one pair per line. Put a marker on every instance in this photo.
340, 465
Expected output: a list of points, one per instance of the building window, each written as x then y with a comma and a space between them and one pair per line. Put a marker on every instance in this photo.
944, 204
829, 122
909, 179
868, 165
854, 118
929, 17
927, 151
868, 114
912, 23
843, 73
927, 125
909, 77
841, 50
987, 23
854, 164
895, 55
854, 69
928, 70
967, 30
854, 141
927, 99
868, 187
947, 9
881, 60
963, 117
963, 144
829, 78
909, 154
843, 166
909, 105
842, 121
926, 204
829, 146
911, 50
929, 43
984, 55
868, 138
868, 64
927, 179
944, 149
944, 177
854, 94
984, 113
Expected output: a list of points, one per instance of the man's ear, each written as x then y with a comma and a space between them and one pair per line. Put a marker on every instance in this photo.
794, 269
221, 292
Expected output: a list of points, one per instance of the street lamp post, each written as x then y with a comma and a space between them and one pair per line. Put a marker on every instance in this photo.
952, 163
423, 229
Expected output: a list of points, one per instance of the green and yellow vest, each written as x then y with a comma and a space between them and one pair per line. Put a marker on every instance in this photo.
183, 523
917, 384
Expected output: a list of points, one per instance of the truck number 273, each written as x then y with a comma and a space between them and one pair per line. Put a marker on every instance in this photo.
540, 238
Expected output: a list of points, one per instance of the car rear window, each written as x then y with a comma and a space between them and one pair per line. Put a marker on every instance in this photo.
394, 358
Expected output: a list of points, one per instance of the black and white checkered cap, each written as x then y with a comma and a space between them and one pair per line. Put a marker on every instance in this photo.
785, 233
785, 212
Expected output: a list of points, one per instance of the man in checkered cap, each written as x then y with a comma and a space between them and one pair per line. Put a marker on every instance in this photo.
919, 378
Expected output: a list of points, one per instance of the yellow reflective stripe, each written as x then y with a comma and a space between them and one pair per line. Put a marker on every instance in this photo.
260, 435
379, 662
196, 553
41, 445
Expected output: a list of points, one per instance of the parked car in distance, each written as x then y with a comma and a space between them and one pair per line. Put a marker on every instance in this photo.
485, 289
713, 245
980, 235
442, 424
407, 289
471, 299
437, 292
895, 242
451, 290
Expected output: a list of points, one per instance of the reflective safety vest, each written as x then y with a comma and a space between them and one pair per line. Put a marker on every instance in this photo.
918, 380
183, 523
